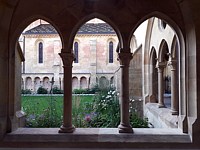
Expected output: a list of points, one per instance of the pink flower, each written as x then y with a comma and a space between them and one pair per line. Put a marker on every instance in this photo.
87, 118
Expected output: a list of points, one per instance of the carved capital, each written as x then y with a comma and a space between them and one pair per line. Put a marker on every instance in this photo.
172, 64
160, 66
124, 58
67, 59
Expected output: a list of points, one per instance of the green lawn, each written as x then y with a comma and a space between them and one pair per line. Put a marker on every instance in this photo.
101, 110
47, 111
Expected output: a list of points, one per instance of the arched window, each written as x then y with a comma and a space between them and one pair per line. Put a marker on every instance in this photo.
76, 52
40, 52
111, 52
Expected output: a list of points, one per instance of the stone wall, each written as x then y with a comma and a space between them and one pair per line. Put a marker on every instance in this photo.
19, 116
135, 75
93, 61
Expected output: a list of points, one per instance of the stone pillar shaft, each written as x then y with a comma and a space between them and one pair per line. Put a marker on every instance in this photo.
174, 100
124, 126
79, 83
161, 66
67, 126
24, 84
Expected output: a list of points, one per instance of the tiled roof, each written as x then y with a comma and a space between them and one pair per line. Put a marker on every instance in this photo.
96, 28
42, 29
88, 28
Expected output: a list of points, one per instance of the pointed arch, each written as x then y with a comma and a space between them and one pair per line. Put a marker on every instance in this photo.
153, 93
177, 28
90, 17
163, 51
174, 47
26, 22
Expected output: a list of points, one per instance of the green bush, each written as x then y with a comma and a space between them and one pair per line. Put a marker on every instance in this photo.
79, 91
92, 90
56, 90
42, 90
26, 91
106, 110
138, 122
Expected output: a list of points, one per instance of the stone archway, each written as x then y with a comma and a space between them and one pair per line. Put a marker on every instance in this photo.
75, 84
28, 84
153, 77
37, 84
83, 83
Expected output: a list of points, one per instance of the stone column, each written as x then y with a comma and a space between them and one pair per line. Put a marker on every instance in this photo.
67, 126
124, 59
24, 83
160, 67
79, 83
88, 85
174, 87
33, 86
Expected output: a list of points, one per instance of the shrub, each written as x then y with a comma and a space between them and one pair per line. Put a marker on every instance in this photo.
138, 122
93, 90
79, 91
106, 110
42, 90
26, 91
56, 90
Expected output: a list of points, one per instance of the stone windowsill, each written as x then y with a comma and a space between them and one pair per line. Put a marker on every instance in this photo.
93, 137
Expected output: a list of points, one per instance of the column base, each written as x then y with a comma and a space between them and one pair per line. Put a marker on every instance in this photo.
125, 128
64, 129
161, 106
174, 112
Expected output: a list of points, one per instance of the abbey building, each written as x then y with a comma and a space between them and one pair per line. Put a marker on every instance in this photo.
94, 47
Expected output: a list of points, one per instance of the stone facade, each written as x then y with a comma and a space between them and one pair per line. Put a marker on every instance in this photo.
92, 66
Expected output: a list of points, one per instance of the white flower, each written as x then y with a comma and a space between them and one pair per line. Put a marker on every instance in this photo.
113, 92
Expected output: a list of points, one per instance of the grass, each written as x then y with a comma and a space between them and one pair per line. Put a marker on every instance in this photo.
101, 110
39, 103
47, 111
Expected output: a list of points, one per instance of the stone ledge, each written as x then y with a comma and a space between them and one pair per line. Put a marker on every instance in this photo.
91, 137
160, 117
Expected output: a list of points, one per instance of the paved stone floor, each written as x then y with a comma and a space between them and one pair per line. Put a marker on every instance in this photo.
167, 100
